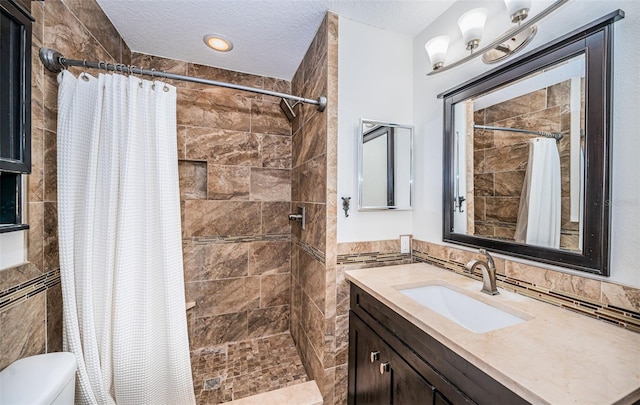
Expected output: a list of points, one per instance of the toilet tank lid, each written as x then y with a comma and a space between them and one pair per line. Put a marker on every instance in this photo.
37, 379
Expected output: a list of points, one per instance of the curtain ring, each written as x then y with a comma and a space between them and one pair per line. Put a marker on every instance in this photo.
84, 75
165, 88
153, 85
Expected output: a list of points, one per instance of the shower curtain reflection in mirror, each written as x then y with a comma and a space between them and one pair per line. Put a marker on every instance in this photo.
120, 242
497, 186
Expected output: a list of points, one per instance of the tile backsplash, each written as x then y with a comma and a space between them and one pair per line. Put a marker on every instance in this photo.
610, 302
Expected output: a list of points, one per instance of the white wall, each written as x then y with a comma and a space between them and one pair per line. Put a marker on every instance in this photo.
375, 81
428, 117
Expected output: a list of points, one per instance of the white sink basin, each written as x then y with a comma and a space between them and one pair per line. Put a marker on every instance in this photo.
466, 311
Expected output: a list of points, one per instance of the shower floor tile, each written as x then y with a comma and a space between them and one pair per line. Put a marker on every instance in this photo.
241, 369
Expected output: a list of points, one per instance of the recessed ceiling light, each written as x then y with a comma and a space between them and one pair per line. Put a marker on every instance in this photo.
218, 42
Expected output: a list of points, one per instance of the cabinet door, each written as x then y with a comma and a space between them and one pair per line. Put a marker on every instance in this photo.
366, 384
407, 385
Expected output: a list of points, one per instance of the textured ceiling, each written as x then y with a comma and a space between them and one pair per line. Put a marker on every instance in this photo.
270, 37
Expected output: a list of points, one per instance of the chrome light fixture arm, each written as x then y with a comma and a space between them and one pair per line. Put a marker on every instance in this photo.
505, 37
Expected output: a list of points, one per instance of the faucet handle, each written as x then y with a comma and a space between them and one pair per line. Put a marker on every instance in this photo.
490, 261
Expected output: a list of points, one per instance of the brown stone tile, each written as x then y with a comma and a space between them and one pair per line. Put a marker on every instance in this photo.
342, 339
559, 94
182, 142
312, 279
50, 245
342, 292
268, 321
275, 289
483, 185
19, 274
340, 390
554, 280
621, 296
220, 218
161, 64
502, 209
50, 105
36, 234
89, 14
509, 183
36, 178
215, 261
482, 139
224, 296
479, 205
193, 180
296, 302
505, 159
275, 151
222, 147
268, 118
314, 234
54, 319
229, 182
544, 120
215, 330
279, 85
50, 166
327, 390
275, 219
269, 257
313, 324
504, 231
125, 53
22, 330
216, 107
223, 75
270, 184
533, 101
311, 141
63, 32
310, 360
313, 180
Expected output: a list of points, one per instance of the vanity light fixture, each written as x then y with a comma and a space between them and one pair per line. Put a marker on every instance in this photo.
472, 24
437, 49
218, 42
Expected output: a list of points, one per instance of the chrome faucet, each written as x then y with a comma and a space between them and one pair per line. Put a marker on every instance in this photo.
488, 268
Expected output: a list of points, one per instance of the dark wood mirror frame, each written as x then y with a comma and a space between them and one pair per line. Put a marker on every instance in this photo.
595, 41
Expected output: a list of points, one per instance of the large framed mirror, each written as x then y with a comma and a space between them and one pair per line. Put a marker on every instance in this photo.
527, 150
385, 166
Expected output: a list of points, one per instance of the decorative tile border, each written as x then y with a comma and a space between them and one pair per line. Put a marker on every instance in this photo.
617, 316
238, 239
375, 258
310, 250
11, 297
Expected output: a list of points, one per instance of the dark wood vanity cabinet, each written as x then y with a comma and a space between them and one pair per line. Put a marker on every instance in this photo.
391, 361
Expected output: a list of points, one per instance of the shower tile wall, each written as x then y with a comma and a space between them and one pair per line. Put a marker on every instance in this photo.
234, 151
32, 321
500, 160
314, 325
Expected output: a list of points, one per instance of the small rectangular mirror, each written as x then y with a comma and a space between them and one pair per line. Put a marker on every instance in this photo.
385, 166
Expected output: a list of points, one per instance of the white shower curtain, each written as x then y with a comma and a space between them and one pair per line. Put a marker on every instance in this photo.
120, 243
540, 202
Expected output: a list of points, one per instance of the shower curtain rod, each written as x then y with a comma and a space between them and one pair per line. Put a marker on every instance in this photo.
555, 135
55, 62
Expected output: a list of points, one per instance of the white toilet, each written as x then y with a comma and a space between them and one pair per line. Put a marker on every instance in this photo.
45, 379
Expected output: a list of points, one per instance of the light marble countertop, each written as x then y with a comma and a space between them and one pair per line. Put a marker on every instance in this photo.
555, 357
